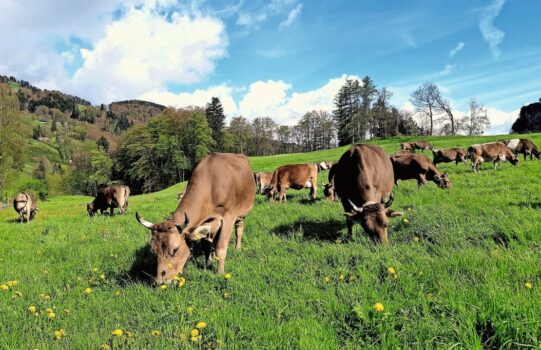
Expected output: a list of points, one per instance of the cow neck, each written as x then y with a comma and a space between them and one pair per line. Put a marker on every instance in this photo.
195, 204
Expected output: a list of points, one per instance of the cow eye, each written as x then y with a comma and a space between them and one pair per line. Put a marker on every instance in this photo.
175, 251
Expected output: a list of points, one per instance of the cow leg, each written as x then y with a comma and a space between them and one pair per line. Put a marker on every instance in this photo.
349, 223
207, 250
383, 237
239, 231
313, 191
421, 181
112, 210
223, 242
283, 193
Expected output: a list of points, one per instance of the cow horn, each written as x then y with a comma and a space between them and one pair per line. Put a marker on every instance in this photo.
182, 226
390, 201
356, 208
143, 222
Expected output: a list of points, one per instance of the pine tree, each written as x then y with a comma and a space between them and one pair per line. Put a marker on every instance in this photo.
216, 118
346, 114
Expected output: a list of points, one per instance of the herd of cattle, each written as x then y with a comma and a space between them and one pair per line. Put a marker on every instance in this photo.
221, 193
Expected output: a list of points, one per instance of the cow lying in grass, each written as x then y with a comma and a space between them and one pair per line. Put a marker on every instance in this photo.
420, 168
25, 206
220, 194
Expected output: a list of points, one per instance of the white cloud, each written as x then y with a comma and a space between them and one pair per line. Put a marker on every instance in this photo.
291, 17
492, 35
144, 50
252, 20
456, 49
447, 69
198, 97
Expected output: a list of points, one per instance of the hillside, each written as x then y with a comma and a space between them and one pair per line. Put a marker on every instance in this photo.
466, 265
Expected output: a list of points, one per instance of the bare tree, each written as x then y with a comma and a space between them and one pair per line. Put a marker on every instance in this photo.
444, 106
425, 102
477, 121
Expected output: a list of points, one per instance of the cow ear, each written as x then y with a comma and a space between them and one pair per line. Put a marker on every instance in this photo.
200, 232
393, 213
437, 177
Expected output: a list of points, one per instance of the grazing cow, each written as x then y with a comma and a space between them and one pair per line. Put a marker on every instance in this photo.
413, 146
296, 176
110, 197
493, 151
328, 189
25, 206
524, 146
420, 168
262, 181
363, 180
324, 166
448, 155
220, 194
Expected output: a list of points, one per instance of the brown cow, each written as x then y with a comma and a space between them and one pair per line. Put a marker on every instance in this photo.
493, 151
328, 189
413, 146
363, 180
524, 146
296, 176
262, 181
324, 165
110, 197
25, 206
220, 194
418, 167
448, 155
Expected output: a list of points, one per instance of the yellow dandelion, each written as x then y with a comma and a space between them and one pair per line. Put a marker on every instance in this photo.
155, 333
189, 310
67, 311
227, 295
528, 285
117, 332
341, 277
421, 273
117, 293
36, 314
326, 279
4, 287
13, 283
105, 347
409, 209
379, 307
219, 342
88, 290
51, 315
176, 278
338, 241
405, 220
352, 278
17, 294
201, 325
227, 276
194, 332
194, 339
181, 282
163, 287
79, 278
32, 309
102, 277
391, 270
494, 252
49, 310
57, 335
416, 239
95, 269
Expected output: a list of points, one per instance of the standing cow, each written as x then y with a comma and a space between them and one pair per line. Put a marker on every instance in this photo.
420, 168
324, 165
364, 180
296, 176
416, 145
25, 206
328, 189
448, 155
220, 195
110, 197
493, 151
523, 146
262, 181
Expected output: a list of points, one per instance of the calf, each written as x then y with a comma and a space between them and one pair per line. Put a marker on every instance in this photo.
115, 196
25, 206
420, 168
416, 145
296, 176
524, 146
262, 181
493, 151
448, 155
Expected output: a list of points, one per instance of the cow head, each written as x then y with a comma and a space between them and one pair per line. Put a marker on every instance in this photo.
373, 217
443, 180
329, 192
33, 213
169, 243
512, 159
90, 209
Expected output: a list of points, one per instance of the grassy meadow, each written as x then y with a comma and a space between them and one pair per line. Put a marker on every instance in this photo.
462, 270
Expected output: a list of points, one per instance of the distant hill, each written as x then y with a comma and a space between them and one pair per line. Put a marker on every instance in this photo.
136, 110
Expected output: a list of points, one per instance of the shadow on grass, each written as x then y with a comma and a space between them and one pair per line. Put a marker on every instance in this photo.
311, 230
143, 269
533, 205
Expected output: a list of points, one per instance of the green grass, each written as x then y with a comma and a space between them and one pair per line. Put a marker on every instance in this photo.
462, 262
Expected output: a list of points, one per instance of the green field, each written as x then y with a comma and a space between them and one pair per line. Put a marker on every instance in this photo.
464, 259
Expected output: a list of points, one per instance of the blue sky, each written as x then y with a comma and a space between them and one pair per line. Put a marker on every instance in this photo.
277, 58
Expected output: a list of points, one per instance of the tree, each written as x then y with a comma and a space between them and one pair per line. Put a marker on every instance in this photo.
406, 125
283, 133
242, 133
425, 101
346, 114
215, 118
444, 106
263, 131
384, 122
103, 144
477, 121
366, 116
197, 139
40, 170
529, 119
